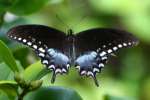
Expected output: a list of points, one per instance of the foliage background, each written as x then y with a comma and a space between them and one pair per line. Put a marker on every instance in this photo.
125, 77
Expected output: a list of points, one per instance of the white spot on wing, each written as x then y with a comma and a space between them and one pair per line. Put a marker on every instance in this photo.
124, 44
35, 46
103, 58
58, 70
45, 61
115, 48
129, 43
68, 66
51, 67
101, 65
89, 73
41, 49
83, 72
78, 67
19, 39
109, 51
64, 70
95, 70
41, 55
15, 37
24, 40
102, 54
29, 43
119, 45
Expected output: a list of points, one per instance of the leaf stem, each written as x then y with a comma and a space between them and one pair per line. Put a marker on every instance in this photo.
23, 93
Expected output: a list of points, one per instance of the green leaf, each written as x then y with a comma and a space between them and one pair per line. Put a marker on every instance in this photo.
24, 7
7, 57
5, 73
5, 4
3, 96
53, 93
34, 72
110, 97
9, 87
1, 18
21, 53
129, 67
145, 89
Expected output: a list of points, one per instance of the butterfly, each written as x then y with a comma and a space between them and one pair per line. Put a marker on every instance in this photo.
88, 51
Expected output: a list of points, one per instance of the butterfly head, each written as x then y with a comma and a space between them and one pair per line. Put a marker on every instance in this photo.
70, 32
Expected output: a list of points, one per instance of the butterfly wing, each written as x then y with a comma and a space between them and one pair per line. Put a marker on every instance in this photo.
47, 42
39, 35
96, 45
104, 38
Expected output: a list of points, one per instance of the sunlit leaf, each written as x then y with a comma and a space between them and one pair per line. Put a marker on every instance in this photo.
110, 97
5, 73
145, 89
139, 24
3, 96
34, 71
7, 57
9, 87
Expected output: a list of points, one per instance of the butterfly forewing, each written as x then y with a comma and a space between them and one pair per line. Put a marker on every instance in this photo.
39, 35
104, 39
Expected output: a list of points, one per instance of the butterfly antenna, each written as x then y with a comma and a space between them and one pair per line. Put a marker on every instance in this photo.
79, 22
62, 21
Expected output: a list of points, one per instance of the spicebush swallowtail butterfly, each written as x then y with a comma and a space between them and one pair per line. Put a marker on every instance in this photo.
88, 50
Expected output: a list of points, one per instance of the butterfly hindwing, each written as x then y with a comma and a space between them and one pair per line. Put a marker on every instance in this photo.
101, 44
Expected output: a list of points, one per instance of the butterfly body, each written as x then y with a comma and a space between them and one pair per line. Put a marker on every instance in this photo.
88, 51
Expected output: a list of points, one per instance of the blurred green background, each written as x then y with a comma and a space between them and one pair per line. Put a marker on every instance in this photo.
125, 77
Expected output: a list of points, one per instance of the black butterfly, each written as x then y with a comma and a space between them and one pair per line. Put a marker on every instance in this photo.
88, 50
